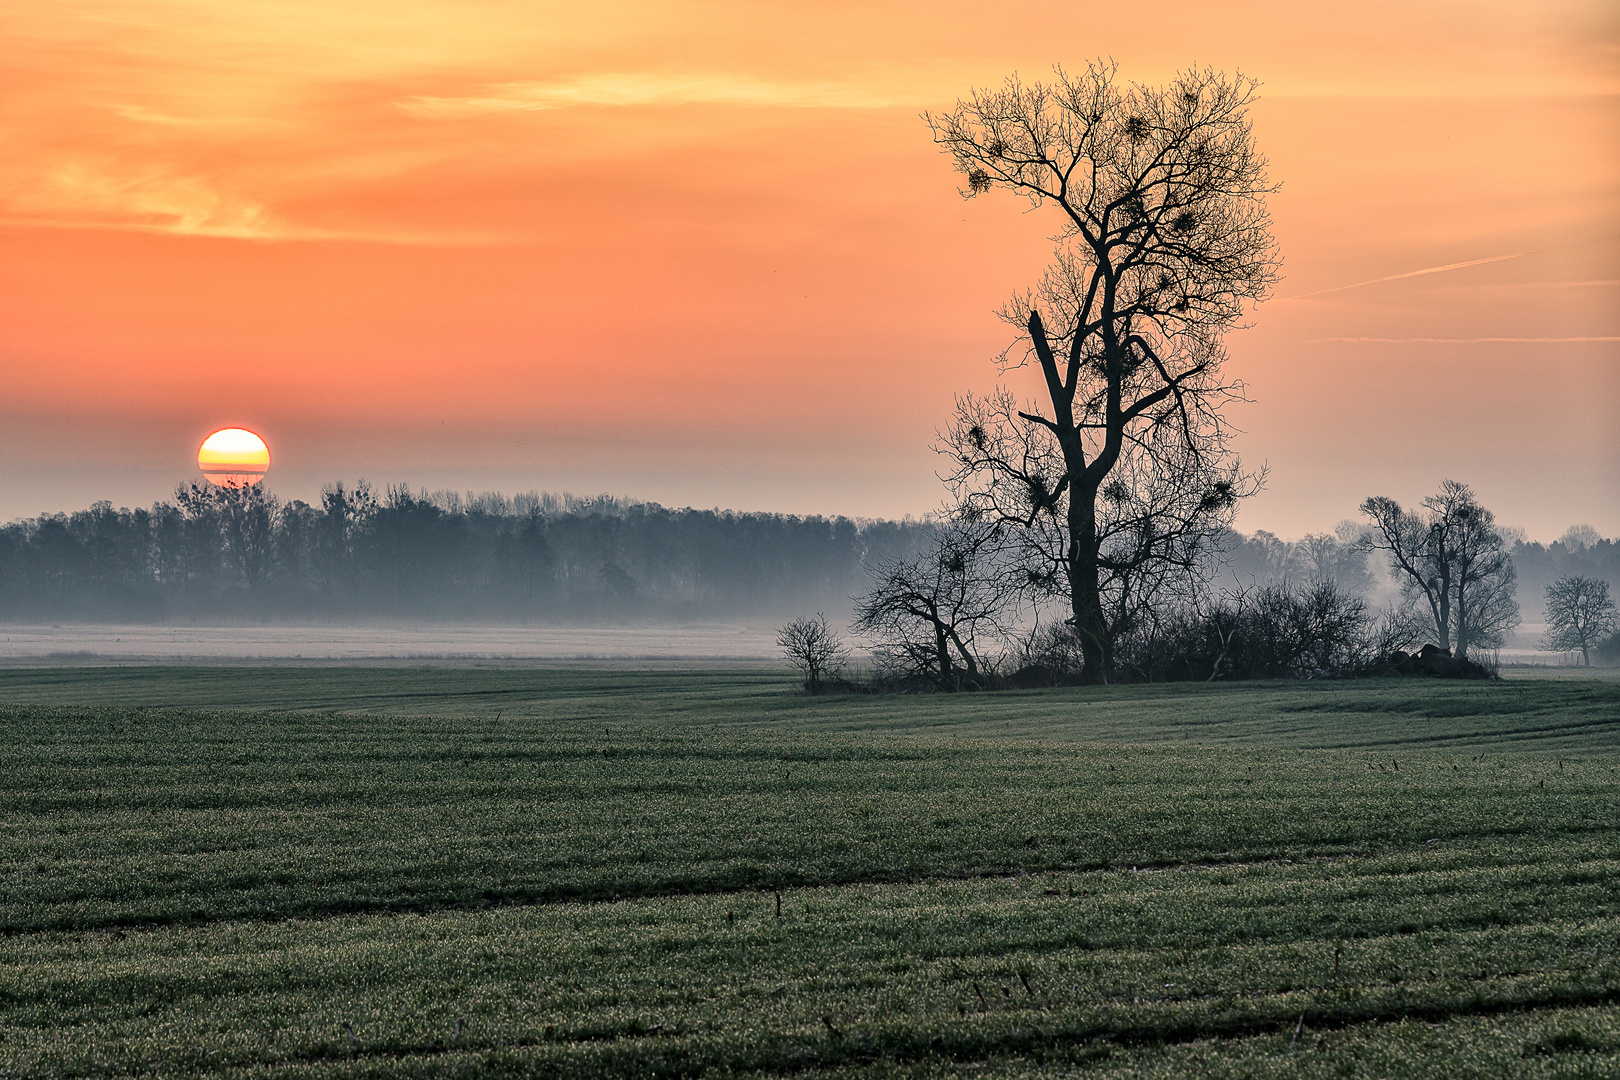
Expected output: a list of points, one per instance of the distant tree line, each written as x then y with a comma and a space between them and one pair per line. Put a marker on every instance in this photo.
949, 604
218, 553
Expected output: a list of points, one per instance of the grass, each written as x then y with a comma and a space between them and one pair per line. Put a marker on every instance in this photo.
1147, 970
1554, 716
1286, 880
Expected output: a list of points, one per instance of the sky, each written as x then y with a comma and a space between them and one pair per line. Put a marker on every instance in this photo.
706, 254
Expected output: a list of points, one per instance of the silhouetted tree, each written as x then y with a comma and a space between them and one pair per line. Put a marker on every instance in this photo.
295, 539
418, 547
346, 517
229, 532
250, 514
930, 616
531, 563
1575, 554
1452, 560
1123, 473
811, 645
1579, 615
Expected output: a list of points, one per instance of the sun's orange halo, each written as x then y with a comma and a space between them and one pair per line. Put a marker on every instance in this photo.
233, 457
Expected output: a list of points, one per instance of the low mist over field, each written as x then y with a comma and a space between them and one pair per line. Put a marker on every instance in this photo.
695, 645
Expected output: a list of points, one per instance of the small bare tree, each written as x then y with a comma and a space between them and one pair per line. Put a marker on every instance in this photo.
932, 616
1050, 653
1579, 615
812, 646
1123, 469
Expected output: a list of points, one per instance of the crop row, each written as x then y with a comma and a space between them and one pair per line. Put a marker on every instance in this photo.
127, 817
1156, 970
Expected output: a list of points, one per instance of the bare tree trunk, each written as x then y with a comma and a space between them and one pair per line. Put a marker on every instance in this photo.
1461, 608
1225, 638
1086, 598
1445, 611
942, 649
1443, 616
969, 664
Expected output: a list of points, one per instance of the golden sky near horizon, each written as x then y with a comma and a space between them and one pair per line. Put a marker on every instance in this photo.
707, 254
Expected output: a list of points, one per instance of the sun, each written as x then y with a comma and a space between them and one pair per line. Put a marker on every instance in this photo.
233, 457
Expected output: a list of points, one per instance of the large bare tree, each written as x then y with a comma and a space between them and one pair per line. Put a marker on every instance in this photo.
1122, 473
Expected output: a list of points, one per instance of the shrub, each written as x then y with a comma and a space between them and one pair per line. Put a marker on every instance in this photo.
1282, 631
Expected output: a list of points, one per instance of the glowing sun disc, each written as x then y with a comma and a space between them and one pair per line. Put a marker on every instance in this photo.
233, 457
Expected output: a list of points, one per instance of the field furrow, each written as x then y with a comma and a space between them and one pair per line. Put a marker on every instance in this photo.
306, 894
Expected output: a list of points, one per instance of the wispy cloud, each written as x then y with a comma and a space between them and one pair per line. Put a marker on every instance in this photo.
631, 89
1592, 283
1461, 340
82, 196
1411, 274
141, 115
234, 121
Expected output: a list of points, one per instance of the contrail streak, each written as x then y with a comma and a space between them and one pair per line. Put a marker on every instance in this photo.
1412, 273
1458, 340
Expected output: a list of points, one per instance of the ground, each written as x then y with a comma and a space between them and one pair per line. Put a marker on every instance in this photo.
319, 871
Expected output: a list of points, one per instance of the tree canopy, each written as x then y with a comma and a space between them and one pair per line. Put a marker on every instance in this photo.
1117, 480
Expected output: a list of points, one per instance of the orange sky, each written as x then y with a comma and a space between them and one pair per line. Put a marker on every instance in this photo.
706, 253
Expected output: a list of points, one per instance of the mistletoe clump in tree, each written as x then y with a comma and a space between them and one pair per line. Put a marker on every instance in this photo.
1116, 483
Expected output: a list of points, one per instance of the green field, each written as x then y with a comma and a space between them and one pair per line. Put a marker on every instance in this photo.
1543, 715
395, 871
